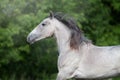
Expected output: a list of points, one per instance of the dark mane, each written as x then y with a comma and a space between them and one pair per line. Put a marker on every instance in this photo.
77, 36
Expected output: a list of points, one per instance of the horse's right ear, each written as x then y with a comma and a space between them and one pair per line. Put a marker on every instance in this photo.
51, 15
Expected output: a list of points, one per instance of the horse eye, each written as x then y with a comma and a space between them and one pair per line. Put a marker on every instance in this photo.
43, 24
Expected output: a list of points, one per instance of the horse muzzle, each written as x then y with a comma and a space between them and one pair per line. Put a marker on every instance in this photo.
31, 38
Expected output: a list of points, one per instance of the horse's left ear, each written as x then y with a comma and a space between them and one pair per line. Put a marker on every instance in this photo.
51, 15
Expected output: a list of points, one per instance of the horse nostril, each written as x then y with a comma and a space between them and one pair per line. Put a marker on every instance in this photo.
28, 39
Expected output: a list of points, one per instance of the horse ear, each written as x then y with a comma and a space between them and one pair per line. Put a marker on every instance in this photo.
51, 15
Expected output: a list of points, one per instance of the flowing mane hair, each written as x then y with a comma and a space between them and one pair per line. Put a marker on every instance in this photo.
77, 36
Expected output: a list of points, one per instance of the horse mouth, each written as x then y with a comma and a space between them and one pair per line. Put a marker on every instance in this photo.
33, 38
31, 41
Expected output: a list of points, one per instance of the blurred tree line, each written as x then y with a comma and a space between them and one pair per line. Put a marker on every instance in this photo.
99, 19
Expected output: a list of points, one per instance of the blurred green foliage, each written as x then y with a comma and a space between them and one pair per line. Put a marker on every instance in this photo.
99, 19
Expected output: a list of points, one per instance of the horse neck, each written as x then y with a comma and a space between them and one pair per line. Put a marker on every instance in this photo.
62, 34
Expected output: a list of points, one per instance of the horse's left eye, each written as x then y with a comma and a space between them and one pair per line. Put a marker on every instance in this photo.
43, 24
